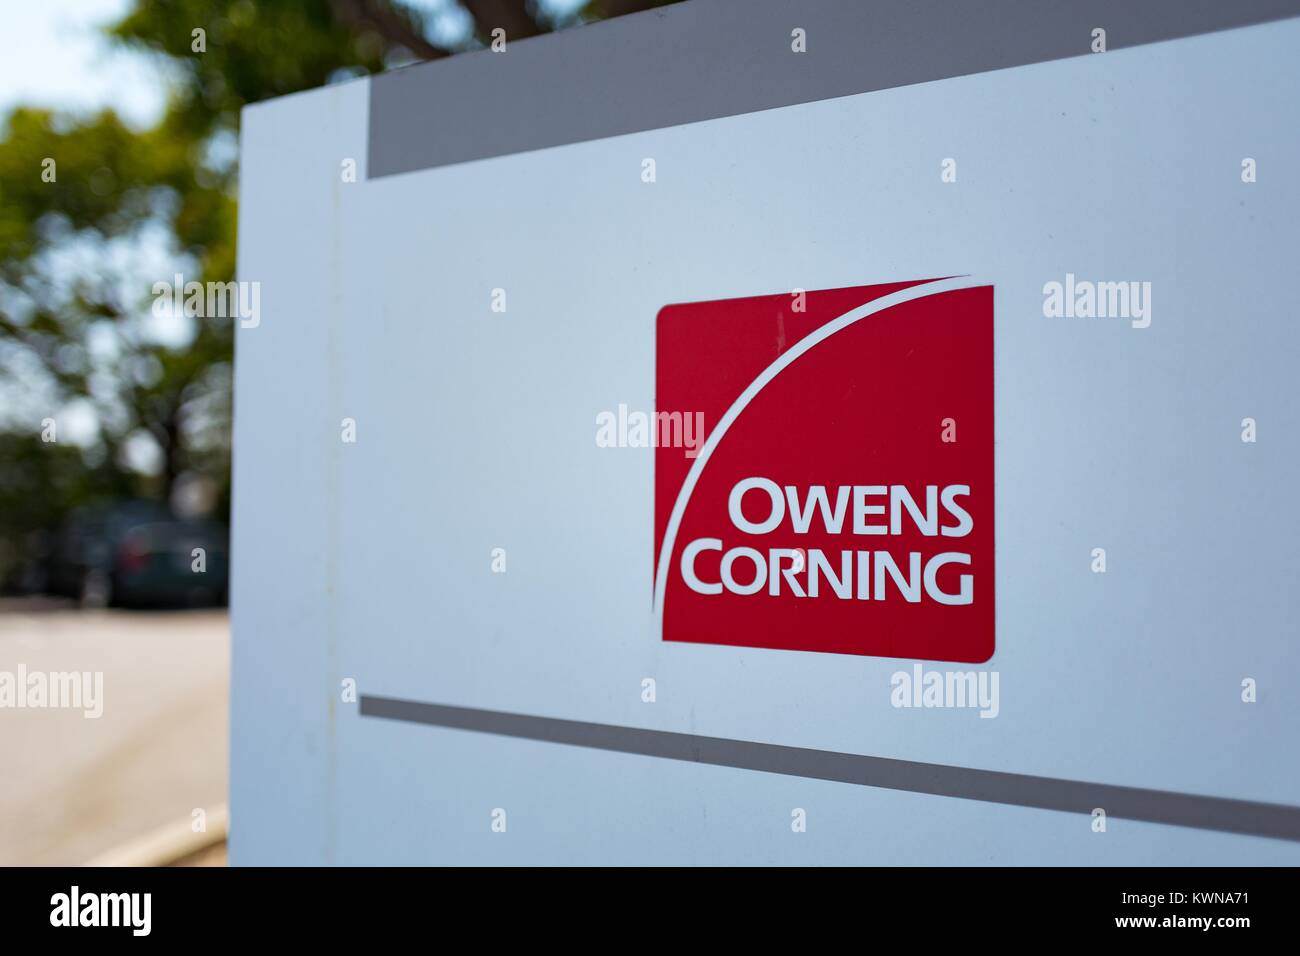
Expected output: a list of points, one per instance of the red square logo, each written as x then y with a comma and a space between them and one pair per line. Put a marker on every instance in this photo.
842, 498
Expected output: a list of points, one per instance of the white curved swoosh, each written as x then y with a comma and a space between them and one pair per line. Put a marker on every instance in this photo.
799, 348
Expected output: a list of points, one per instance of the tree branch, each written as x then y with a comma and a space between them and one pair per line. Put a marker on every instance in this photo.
394, 25
514, 16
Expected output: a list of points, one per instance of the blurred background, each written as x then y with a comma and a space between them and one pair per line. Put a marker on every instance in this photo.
119, 131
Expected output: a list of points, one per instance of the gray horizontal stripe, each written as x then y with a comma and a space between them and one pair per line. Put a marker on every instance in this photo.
705, 59
991, 786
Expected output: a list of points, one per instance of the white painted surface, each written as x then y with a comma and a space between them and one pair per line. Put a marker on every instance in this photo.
476, 430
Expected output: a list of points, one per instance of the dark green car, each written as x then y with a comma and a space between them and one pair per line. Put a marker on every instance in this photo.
136, 554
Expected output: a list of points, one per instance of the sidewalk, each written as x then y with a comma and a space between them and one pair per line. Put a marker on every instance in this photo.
76, 788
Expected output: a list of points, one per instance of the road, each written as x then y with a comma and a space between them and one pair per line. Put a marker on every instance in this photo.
72, 788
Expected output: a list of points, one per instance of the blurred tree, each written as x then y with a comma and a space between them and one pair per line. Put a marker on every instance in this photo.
93, 212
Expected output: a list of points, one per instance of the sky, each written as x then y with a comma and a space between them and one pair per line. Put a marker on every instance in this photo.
51, 55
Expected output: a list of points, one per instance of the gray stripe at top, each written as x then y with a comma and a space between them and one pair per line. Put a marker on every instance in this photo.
705, 59
1274, 820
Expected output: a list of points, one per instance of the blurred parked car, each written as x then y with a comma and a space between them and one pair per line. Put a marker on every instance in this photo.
135, 553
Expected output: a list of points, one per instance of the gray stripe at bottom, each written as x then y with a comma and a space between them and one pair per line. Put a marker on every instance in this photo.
991, 786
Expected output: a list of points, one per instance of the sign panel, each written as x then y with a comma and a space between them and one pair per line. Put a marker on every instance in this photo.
876, 453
